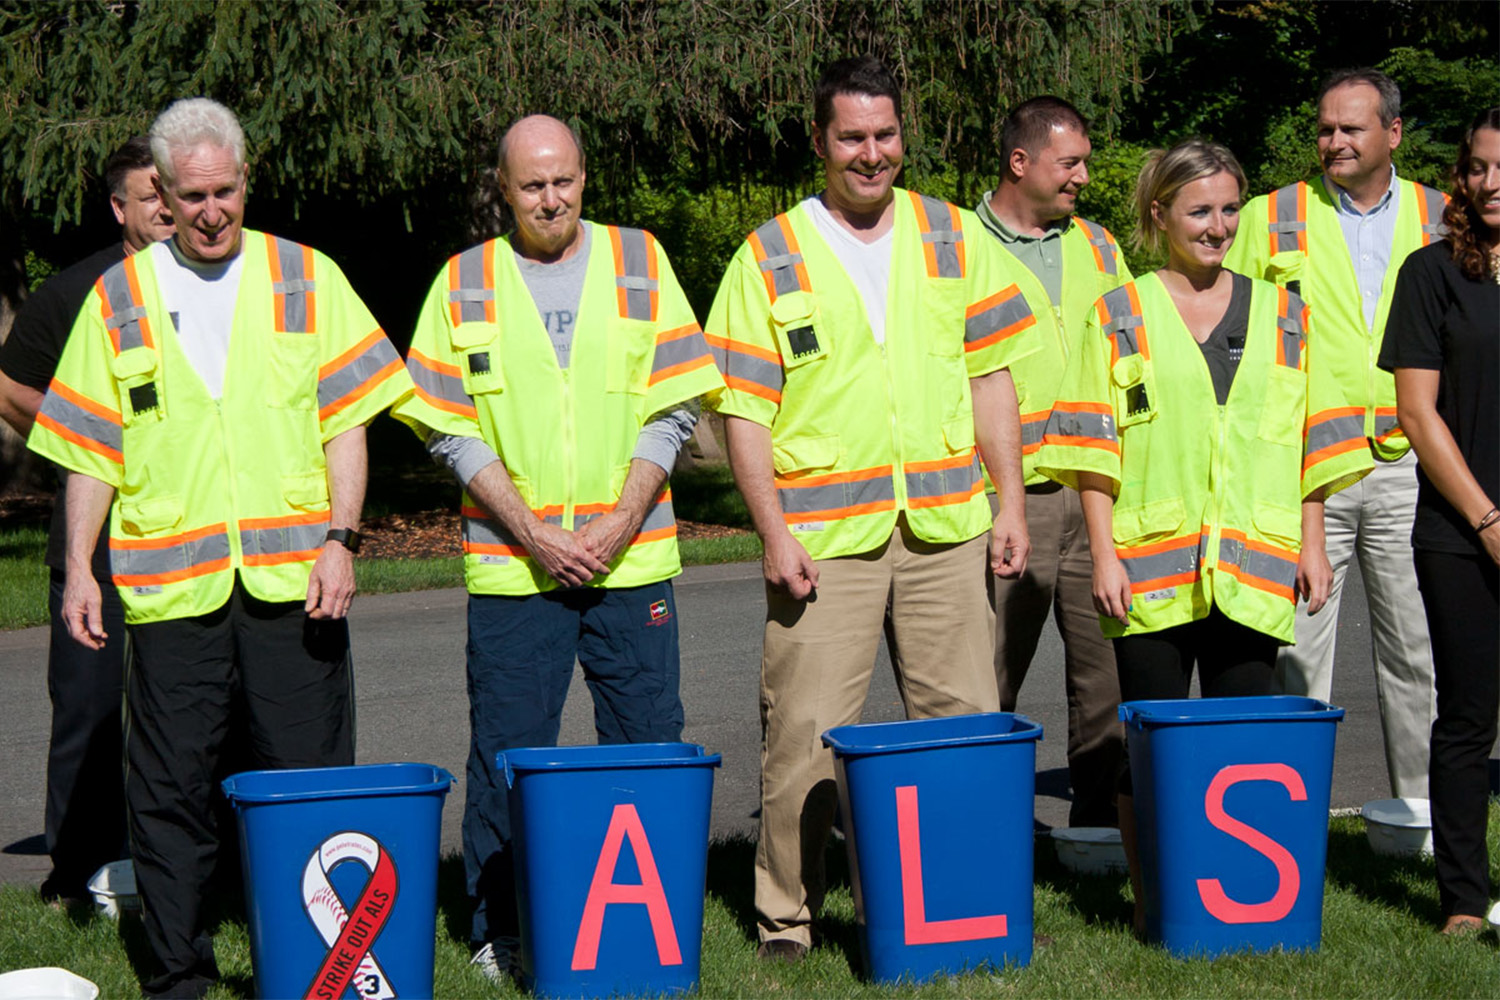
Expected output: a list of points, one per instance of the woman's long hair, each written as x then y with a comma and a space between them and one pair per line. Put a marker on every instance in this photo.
1465, 227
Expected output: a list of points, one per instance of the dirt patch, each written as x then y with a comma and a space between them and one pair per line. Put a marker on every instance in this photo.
433, 533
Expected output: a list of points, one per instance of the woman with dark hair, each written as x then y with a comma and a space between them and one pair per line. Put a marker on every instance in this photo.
1182, 422
1443, 344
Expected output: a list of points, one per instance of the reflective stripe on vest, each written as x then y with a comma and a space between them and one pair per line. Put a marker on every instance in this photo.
1103, 247
945, 481
439, 384
152, 562
836, 495
1257, 564
1002, 315
354, 373
636, 282
1430, 206
482, 535
471, 285
748, 368
120, 292
1385, 422
1121, 321
76, 418
660, 522
1082, 424
779, 258
677, 351
1288, 222
1162, 564
295, 291
1033, 427
271, 541
1289, 321
942, 236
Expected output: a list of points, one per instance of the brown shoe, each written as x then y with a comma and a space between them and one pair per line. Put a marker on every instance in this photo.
781, 950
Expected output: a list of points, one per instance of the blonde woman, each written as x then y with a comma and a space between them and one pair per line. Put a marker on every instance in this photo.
1182, 422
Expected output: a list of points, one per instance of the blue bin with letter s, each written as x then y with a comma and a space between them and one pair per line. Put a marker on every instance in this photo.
938, 825
1231, 805
611, 856
340, 867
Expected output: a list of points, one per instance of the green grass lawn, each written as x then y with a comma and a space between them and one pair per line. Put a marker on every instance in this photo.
1379, 940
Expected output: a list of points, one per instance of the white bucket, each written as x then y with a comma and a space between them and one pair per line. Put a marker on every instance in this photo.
1398, 828
113, 889
46, 984
1090, 850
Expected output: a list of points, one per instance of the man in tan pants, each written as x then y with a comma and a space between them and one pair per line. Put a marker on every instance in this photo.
864, 338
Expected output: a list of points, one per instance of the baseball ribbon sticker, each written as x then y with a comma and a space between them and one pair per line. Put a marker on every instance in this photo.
349, 933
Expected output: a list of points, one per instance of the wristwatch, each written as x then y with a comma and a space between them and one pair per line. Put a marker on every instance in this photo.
347, 537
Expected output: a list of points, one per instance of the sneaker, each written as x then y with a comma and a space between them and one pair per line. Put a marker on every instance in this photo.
498, 960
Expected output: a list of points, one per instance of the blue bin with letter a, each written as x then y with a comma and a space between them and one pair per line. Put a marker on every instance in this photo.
938, 824
1231, 806
611, 854
340, 867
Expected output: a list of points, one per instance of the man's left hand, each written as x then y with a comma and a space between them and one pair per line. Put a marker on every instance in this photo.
606, 536
330, 588
1009, 545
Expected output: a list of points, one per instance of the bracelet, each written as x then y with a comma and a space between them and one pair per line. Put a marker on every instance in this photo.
1487, 520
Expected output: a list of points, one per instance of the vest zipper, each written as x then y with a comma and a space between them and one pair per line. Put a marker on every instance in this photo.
569, 443
898, 471
1216, 487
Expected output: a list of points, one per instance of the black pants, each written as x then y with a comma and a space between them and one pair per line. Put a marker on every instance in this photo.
1463, 619
289, 679
1234, 661
85, 778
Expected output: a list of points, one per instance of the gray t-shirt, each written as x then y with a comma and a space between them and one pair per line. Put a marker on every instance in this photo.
557, 289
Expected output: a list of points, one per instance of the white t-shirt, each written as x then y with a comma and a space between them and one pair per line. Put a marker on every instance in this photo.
867, 264
200, 298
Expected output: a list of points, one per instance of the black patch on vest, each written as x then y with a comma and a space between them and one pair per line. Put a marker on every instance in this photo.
143, 397
479, 363
804, 341
1295, 287
1136, 401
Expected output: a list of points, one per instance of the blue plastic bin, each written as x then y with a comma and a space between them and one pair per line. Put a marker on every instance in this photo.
1231, 805
611, 853
938, 824
340, 868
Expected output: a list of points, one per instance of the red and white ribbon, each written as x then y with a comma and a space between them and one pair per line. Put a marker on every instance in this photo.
349, 933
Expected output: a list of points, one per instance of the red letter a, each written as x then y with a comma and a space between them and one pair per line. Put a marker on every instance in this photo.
625, 822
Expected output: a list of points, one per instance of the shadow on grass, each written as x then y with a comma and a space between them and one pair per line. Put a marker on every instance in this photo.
1396, 882
706, 493
1099, 900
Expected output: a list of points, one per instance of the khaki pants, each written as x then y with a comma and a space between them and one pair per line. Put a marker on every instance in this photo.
1059, 581
1373, 518
934, 608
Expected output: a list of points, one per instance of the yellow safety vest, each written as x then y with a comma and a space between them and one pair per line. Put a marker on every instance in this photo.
1208, 498
485, 367
861, 432
1092, 265
206, 489
1293, 237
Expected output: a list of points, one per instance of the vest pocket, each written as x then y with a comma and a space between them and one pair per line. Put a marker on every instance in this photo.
958, 434
306, 491
141, 398
1283, 412
944, 302
294, 371
800, 336
1135, 390
149, 516
1280, 525
1142, 522
805, 454
632, 347
476, 349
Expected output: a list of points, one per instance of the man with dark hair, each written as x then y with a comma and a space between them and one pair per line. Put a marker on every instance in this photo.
1339, 241
1065, 264
864, 337
85, 824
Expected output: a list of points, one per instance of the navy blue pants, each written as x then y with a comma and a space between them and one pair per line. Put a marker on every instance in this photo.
520, 656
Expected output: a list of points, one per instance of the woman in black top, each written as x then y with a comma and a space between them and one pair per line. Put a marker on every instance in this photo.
1443, 343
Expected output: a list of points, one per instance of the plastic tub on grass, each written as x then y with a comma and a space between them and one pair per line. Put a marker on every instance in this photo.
1398, 828
340, 867
1231, 805
113, 889
1090, 850
611, 854
938, 825
48, 983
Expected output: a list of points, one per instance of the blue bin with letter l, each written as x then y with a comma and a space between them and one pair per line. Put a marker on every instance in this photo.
938, 824
1231, 806
611, 854
340, 868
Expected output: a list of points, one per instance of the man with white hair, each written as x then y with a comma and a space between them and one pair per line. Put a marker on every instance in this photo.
212, 397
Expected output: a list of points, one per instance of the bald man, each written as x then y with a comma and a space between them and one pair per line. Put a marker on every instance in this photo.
562, 433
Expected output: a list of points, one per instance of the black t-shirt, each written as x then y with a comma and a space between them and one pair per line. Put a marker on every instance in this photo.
1225, 344
29, 357
1444, 322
